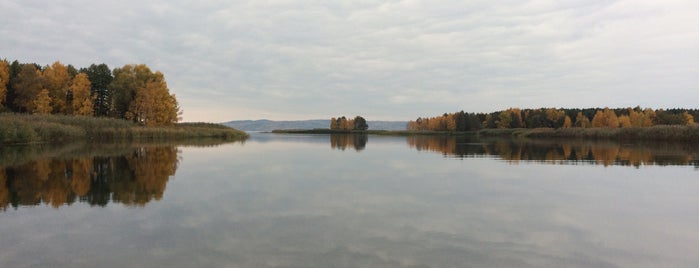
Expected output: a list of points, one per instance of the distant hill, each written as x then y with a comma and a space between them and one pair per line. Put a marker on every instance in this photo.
269, 125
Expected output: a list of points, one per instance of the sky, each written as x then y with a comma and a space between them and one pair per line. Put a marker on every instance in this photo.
383, 60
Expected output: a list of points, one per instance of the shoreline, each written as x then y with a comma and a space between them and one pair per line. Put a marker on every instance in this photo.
673, 133
22, 129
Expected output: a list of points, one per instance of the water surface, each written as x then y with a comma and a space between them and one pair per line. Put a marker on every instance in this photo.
351, 201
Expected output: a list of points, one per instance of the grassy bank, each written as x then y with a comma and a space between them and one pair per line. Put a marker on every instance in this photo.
22, 129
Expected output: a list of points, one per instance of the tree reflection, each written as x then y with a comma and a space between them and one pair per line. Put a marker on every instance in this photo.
602, 153
344, 141
133, 179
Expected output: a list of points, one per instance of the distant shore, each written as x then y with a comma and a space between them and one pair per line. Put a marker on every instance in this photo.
655, 133
28, 129
364, 132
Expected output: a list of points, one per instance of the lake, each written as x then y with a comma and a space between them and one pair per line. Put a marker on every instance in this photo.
280, 200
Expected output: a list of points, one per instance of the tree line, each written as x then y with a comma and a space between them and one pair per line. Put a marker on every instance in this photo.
556, 118
132, 92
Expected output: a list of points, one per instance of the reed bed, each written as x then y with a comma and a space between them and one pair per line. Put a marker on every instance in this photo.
24, 129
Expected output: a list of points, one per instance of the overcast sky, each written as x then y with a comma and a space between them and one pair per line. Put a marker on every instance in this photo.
384, 60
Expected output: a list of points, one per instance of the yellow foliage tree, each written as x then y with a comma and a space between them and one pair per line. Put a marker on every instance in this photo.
567, 122
582, 121
643, 118
341, 123
605, 118
58, 83
450, 122
4, 80
82, 102
689, 118
554, 114
154, 105
42, 103
625, 121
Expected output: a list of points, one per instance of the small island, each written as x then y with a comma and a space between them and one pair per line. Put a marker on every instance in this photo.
61, 103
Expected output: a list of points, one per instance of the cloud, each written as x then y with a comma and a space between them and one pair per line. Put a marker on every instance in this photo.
386, 59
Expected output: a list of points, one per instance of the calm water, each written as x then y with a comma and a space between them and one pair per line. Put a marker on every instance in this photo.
351, 201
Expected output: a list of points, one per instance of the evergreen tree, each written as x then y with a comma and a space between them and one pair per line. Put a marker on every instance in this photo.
360, 123
100, 77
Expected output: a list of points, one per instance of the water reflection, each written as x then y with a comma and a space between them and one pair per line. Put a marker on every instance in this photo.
602, 153
344, 141
128, 175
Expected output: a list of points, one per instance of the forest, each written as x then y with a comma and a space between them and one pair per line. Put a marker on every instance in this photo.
556, 118
132, 92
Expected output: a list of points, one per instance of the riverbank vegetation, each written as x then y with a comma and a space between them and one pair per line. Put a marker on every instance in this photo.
132, 92
515, 118
58, 103
593, 123
25, 128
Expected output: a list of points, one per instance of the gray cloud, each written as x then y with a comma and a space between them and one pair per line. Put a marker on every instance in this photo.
381, 59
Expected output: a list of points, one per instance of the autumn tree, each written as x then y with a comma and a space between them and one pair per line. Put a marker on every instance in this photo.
339, 124
582, 121
58, 84
127, 81
450, 122
556, 117
42, 103
567, 122
641, 118
415, 125
26, 87
82, 101
605, 118
510, 118
648, 118
4, 81
624, 121
154, 105
689, 119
